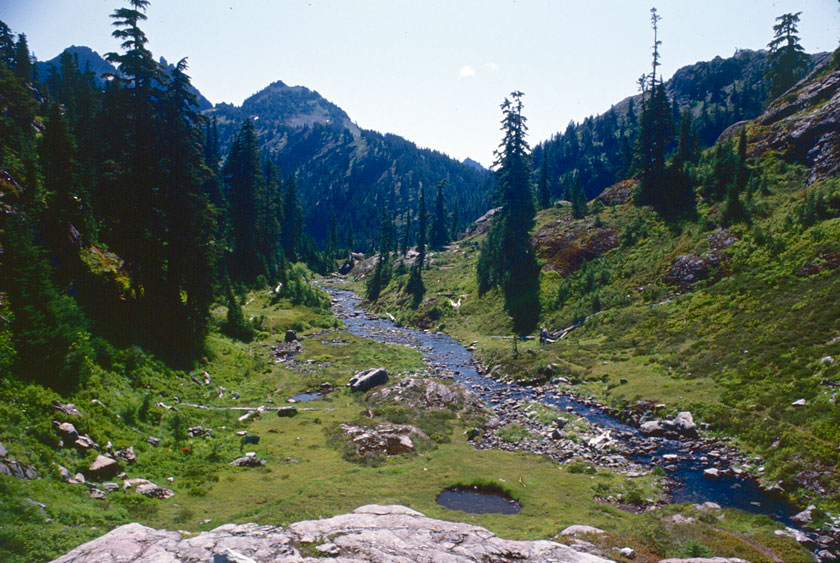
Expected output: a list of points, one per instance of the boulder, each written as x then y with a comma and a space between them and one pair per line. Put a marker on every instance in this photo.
368, 379
799, 403
103, 467
154, 491
17, 469
153, 441
291, 336
126, 455
84, 442
287, 411
66, 431
385, 438
652, 428
248, 461
579, 530
805, 516
684, 424
627, 552
712, 474
370, 533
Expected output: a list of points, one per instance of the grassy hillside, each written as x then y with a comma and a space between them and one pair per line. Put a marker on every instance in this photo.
754, 332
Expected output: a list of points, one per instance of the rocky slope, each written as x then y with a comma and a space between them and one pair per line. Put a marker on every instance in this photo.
369, 533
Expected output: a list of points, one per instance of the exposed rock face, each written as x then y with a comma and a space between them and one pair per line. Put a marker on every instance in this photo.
368, 379
424, 393
804, 126
370, 533
481, 224
686, 270
565, 245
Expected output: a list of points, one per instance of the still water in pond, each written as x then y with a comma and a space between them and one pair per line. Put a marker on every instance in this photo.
444, 352
477, 501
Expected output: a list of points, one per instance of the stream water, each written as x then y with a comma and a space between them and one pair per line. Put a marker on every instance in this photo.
687, 482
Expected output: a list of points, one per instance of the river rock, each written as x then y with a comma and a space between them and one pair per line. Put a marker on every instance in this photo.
370, 533
805, 516
103, 467
684, 424
368, 379
652, 428
712, 474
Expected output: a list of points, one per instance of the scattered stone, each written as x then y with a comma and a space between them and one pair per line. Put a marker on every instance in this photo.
370, 533
627, 552
40, 505
799, 403
84, 442
17, 469
712, 474
151, 490
286, 412
291, 336
680, 519
69, 408
579, 530
826, 360
686, 270
153, 441
368, 379
97, 494
126, 455
103, 467
248, 461
198, 431
110, 486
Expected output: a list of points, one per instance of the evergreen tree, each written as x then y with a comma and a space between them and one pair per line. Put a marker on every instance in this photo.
421, 230
455, 229
23, 60
415, 287
245, 184
508, 250
406, 234
351, 243
579, 207
788, 60
292, 220
688, 144
7, 46
543, 192
438, 235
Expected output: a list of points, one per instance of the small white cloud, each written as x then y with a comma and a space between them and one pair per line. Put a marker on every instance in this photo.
492, 67
466, 72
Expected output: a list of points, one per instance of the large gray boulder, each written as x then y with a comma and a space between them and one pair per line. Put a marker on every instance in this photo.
684, 424
370, 533
103, 467
652, 428
368, 379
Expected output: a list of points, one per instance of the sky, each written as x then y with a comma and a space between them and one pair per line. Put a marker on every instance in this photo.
432, 71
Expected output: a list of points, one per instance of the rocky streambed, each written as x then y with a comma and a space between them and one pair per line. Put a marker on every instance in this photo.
698, 470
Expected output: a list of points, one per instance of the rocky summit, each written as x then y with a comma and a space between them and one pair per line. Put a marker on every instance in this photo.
369, 533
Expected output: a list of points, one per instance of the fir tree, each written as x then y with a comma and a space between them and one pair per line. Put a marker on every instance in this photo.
23, 60
543, 193
292, 220
438, 235
788, 60
579, 207
406, 234
421, 230
507, 256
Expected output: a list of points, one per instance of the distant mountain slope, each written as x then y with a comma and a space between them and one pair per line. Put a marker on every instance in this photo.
88, 59
719, 93
349, 172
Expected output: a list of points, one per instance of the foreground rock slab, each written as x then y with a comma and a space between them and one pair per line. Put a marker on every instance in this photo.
371, 533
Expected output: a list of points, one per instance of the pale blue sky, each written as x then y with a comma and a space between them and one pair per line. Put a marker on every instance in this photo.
432, 71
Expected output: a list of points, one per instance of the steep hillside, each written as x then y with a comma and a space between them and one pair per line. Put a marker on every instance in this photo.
349, 172
735, 321
717, 93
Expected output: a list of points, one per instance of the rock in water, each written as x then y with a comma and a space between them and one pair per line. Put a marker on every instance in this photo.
368, 379
370, 533
652, 428
684, 424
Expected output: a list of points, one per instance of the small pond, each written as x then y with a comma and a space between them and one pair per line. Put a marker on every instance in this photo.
476, 500
311, 395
